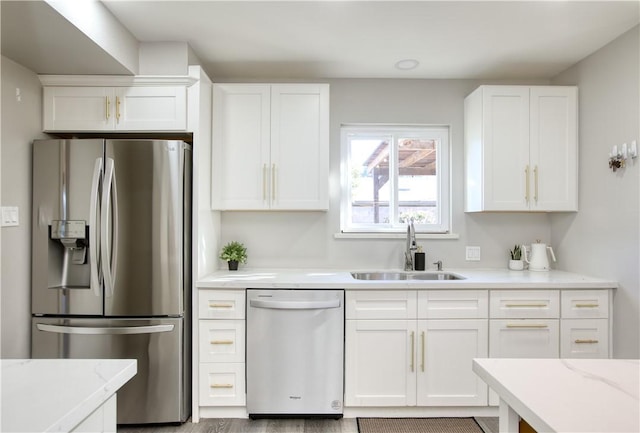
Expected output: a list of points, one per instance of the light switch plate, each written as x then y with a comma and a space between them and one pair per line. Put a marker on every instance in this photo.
473, 254
10, 216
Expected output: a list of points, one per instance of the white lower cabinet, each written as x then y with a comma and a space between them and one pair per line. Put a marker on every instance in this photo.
222, 384
584, 338
221, 348
380, 363
414, 362
584, 327
446, 349
524, 338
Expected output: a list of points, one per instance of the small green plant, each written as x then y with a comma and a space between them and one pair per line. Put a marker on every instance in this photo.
234, 252
516, 253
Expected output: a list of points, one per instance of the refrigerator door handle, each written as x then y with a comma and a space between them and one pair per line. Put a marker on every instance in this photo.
295, 305
94, 209
109, 204
105, 330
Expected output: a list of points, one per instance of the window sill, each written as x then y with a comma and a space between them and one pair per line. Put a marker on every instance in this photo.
373, 235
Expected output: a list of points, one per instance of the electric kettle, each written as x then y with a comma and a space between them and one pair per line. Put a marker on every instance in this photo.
537, 258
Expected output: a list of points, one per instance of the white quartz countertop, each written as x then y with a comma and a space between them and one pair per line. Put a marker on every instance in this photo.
51, 395
327, 278
568, 395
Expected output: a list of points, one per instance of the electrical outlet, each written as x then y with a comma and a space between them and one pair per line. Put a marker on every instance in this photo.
473, 254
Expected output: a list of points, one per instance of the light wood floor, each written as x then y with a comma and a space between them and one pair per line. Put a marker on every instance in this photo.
344, 425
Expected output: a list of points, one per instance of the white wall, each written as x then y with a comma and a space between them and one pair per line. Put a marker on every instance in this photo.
602, 239
306, 239
21, 123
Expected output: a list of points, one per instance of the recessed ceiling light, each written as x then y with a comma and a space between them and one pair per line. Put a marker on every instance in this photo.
407, 64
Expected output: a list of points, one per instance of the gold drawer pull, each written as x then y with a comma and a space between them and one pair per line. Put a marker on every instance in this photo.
222, 385
587, 305
586, 341
526, 305
221, 341
214, 305
532, 326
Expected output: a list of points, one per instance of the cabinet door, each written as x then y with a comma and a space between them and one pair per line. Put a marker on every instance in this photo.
380, 363
505, 112
584, 338
78, 109
553, 148
241, 178
299, 146
162, 108
446, 351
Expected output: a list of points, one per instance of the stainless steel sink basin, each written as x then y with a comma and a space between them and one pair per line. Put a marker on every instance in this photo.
399, 275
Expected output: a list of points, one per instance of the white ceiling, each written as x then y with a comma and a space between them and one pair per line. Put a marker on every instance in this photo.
450, 39
329, 39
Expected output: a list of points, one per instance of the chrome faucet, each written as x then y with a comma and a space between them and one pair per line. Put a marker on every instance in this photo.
411, 247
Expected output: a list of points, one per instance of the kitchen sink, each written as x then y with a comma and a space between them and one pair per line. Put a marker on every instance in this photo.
399, 276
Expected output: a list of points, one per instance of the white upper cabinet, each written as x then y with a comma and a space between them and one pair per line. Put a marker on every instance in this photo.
87, 108
270, 146
521, 151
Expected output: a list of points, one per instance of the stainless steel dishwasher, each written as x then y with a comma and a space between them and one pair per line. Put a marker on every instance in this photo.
295, 353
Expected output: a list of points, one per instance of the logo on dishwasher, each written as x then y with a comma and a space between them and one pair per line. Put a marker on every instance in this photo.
295, 397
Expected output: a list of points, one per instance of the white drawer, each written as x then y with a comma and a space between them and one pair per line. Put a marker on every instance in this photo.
585, 304
221, 304
453, 304
524, 338
524, 304
381, 304
222, 340
584, 338
222, 384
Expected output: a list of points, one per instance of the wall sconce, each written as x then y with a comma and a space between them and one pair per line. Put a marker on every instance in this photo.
618, 157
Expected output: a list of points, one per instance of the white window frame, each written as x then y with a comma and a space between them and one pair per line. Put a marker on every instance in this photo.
443, 170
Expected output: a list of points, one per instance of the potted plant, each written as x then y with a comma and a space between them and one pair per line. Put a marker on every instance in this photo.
234, 252
516, 263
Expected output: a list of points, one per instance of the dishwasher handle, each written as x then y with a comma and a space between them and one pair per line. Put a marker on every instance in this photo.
295, 305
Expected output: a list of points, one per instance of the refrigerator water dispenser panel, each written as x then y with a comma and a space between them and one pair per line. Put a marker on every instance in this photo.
73, 236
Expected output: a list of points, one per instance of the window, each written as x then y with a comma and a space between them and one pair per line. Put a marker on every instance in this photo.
391, 174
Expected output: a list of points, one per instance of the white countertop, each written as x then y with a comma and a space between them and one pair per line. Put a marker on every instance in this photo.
45, 395
568, 395
327, 278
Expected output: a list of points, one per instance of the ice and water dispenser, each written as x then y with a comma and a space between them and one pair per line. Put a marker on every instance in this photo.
68, 252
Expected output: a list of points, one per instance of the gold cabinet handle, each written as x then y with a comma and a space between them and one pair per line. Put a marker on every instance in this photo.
535, 184
526, 183
216, 305
586, 341
587, 305
107, 107
273, 183
221, 341
222, 385
528, 326
118, 108
413, 350
264, 182
526, 305
422, 354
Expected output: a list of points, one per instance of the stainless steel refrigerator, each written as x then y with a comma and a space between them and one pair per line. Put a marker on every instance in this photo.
111, 264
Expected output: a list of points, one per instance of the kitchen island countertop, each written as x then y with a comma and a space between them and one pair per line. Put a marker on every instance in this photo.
330, 279
43, 395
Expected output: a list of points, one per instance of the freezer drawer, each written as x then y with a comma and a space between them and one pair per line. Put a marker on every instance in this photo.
160, 391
